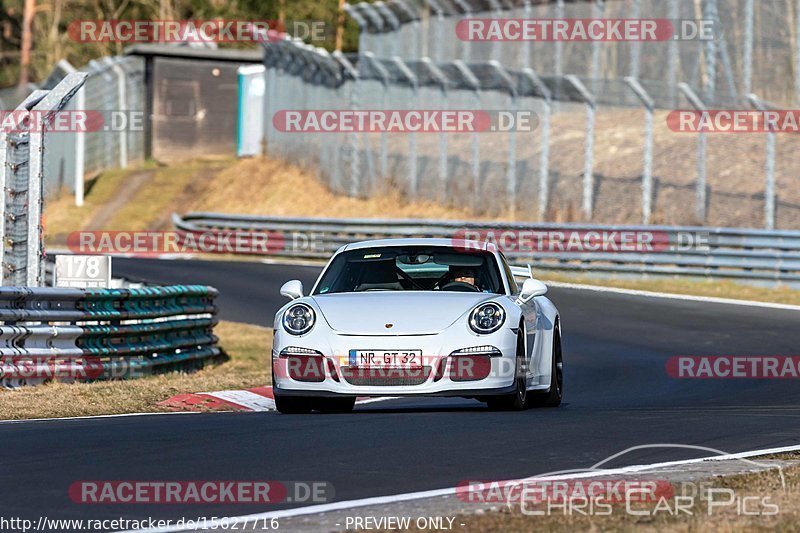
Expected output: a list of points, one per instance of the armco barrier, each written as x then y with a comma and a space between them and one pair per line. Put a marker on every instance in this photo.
92, 334
745, 254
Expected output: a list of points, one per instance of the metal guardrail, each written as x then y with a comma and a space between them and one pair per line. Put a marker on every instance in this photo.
93, 334
744, 254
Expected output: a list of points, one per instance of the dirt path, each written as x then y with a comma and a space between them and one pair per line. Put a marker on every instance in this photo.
134, 182
181, 203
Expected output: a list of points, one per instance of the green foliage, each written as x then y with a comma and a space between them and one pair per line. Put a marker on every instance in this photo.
51, 41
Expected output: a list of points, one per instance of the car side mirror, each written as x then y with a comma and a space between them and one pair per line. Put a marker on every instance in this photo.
292, 289
531, 288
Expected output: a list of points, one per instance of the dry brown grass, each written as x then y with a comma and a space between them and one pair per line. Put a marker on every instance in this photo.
715, 289
722, 519
248, 347
270, 187
264, 186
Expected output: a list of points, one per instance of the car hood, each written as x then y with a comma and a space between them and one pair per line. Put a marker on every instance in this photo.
409, 313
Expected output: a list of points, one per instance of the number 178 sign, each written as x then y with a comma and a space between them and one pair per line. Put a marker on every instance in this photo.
83, 271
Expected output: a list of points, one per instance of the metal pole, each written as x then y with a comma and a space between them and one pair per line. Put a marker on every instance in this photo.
472, 82
769, 167
588, 156
558, 57
393, 22
700, 186
647, 172
376, 66
797, 53
434, 4
598, 7
465, 44
441, 80
636, 46
710, 55
511, 173
122, 100
672, 57
748, 47
53, 102
526, 46
413, 184
544, 149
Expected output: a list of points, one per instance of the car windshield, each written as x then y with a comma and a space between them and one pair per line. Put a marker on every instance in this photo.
411, 268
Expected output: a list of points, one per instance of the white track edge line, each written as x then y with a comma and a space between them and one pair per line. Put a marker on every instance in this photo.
378, 500
672, 296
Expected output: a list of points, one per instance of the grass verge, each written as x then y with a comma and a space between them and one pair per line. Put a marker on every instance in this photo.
248, 347
764, 489
692, 287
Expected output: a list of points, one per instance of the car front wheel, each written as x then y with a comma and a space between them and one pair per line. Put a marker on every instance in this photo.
518, 400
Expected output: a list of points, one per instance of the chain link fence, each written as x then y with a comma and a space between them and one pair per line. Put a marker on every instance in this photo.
22, 176
115, 88
755, 49
601, 151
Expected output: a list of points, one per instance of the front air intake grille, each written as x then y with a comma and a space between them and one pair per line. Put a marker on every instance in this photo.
385, 377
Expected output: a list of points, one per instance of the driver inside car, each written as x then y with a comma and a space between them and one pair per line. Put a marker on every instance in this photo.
465, 275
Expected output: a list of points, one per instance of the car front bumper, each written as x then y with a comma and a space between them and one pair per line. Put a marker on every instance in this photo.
441, 375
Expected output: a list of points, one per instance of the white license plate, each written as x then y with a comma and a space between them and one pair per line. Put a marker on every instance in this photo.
386, 358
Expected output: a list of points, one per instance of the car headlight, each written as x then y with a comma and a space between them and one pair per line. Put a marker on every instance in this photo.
487, 318
299, 319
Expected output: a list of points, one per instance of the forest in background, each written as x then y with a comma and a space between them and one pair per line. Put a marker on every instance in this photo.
49, 19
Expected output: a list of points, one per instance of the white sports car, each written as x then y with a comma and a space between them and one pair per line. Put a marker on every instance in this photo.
416, 317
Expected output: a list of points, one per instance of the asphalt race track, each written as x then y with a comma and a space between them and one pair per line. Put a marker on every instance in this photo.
617, 395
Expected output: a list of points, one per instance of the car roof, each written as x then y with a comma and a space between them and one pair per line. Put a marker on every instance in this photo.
419, 241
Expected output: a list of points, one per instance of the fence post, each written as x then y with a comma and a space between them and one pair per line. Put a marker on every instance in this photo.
598, 8
558, 57
122, 99
413, 184
351, 75
588, 157
53, 102
497, 13
700, 186
369, 58
511, 174
441, 80
393, 22
544, 150
647, 172
797, 53
80, 138
439, 10
465, 44
415, 25
525, 60
356, 15
710, 55
748, 47
769, 166
636, 46
474, 85
672, 56
377, 21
